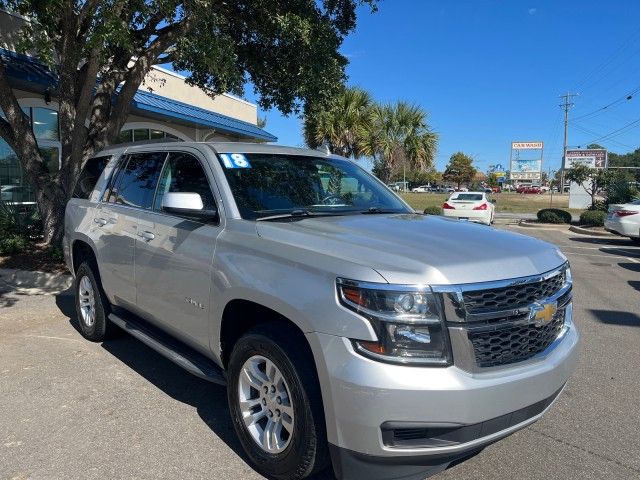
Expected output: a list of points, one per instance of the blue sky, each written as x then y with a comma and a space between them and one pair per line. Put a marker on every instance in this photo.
489, 72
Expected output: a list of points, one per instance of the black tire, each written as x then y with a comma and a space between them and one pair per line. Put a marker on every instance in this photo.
100, 328
307, 451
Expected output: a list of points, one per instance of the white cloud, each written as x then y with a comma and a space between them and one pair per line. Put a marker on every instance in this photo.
532, 11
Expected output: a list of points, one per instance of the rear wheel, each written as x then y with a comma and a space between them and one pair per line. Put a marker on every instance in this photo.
275, 404
92, 306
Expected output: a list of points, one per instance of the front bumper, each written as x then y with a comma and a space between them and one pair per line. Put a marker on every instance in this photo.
362, 397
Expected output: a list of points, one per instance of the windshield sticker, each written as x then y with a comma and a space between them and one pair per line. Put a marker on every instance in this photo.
234, 160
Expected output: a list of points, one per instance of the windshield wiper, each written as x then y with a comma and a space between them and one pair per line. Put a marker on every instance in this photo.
371, 210
298, 213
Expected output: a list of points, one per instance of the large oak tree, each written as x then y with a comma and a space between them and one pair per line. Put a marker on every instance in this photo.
101, 51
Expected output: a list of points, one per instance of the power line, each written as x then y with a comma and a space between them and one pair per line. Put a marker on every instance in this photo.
610, 59
594, 113
591, 132
618, 131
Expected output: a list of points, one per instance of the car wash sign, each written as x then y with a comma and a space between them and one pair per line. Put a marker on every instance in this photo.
526, 160
591, 157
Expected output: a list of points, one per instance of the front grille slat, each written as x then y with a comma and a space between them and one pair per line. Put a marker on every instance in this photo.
512, 297
508, 336
515, 344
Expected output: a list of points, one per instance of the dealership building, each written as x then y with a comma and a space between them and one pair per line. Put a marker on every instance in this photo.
164, 107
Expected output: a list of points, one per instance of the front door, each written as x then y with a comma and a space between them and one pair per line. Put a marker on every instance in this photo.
174, 256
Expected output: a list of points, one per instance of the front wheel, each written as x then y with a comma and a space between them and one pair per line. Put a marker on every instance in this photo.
275, 404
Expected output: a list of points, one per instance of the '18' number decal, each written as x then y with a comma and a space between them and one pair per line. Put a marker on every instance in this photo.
234, 160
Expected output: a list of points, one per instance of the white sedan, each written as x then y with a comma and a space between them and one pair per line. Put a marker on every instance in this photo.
421, 189
624, 220
473, 206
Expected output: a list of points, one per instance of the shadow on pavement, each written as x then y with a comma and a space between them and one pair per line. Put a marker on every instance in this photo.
612, 317
634, 267
608, 241
209, 400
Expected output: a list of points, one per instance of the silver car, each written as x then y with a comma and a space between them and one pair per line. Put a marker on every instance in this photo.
348, 329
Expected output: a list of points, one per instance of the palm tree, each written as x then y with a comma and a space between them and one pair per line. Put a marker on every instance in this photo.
400, 137
343, 126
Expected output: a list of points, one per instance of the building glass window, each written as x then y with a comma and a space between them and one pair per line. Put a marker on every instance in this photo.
45, 123
13, 186
142, 134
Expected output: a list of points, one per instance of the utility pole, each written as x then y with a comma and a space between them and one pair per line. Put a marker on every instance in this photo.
566, 105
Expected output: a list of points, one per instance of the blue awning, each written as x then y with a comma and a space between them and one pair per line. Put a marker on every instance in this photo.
28, 71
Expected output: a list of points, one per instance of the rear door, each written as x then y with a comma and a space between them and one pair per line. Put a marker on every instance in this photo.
130, 193
174, 255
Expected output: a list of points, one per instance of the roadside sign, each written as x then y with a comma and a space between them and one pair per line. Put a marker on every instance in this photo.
592, 157
526, 160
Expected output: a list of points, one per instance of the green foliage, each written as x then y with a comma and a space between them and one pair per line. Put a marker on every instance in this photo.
433, 210
396, 135
460, 169
492, 180
343, 126
619, 188
14, 221
553, 215
593, 180
12, 244
593, 218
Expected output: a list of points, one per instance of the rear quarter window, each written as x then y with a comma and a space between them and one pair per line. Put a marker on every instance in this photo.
89, 176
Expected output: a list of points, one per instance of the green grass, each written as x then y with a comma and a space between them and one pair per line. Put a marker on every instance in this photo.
505, 202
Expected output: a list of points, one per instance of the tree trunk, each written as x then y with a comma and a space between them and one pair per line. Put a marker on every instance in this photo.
51, 210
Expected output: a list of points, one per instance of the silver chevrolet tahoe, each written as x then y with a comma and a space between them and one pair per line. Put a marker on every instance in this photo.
347, 328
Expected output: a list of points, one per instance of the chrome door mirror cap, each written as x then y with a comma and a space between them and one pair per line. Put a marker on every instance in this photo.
182, 201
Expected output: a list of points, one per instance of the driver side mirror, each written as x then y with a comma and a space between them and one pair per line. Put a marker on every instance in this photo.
188, 205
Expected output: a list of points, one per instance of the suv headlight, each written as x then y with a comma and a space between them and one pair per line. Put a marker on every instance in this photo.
408, 323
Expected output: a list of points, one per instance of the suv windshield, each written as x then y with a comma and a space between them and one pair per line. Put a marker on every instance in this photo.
265, 184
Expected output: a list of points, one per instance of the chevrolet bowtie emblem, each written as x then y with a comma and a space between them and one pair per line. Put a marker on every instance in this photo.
542, 314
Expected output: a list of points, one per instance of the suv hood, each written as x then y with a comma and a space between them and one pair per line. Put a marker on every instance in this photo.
416, 249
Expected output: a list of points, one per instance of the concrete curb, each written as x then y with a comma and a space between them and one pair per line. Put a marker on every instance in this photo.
586, 231
544, 226
36, 282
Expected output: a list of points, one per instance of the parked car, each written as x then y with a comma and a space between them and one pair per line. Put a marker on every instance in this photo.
422, 189
346, 327
529, 189
474, 206
624, 220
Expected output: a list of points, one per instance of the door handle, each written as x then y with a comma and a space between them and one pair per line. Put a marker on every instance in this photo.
147, 235
100, 221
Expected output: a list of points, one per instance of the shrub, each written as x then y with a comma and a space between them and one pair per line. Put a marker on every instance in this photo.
593, 218
553, 215
433, 210
12, 244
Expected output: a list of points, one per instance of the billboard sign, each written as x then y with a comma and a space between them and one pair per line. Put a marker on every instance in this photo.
592, 157
527, 145
526, 160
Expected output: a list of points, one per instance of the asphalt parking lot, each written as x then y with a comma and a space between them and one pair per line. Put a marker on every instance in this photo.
75, 409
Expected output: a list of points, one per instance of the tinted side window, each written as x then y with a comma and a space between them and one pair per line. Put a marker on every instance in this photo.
136, 183
89, 176
183, 173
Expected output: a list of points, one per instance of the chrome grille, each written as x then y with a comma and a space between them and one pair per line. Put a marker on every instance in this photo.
513, 342
517, 296
498, 323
